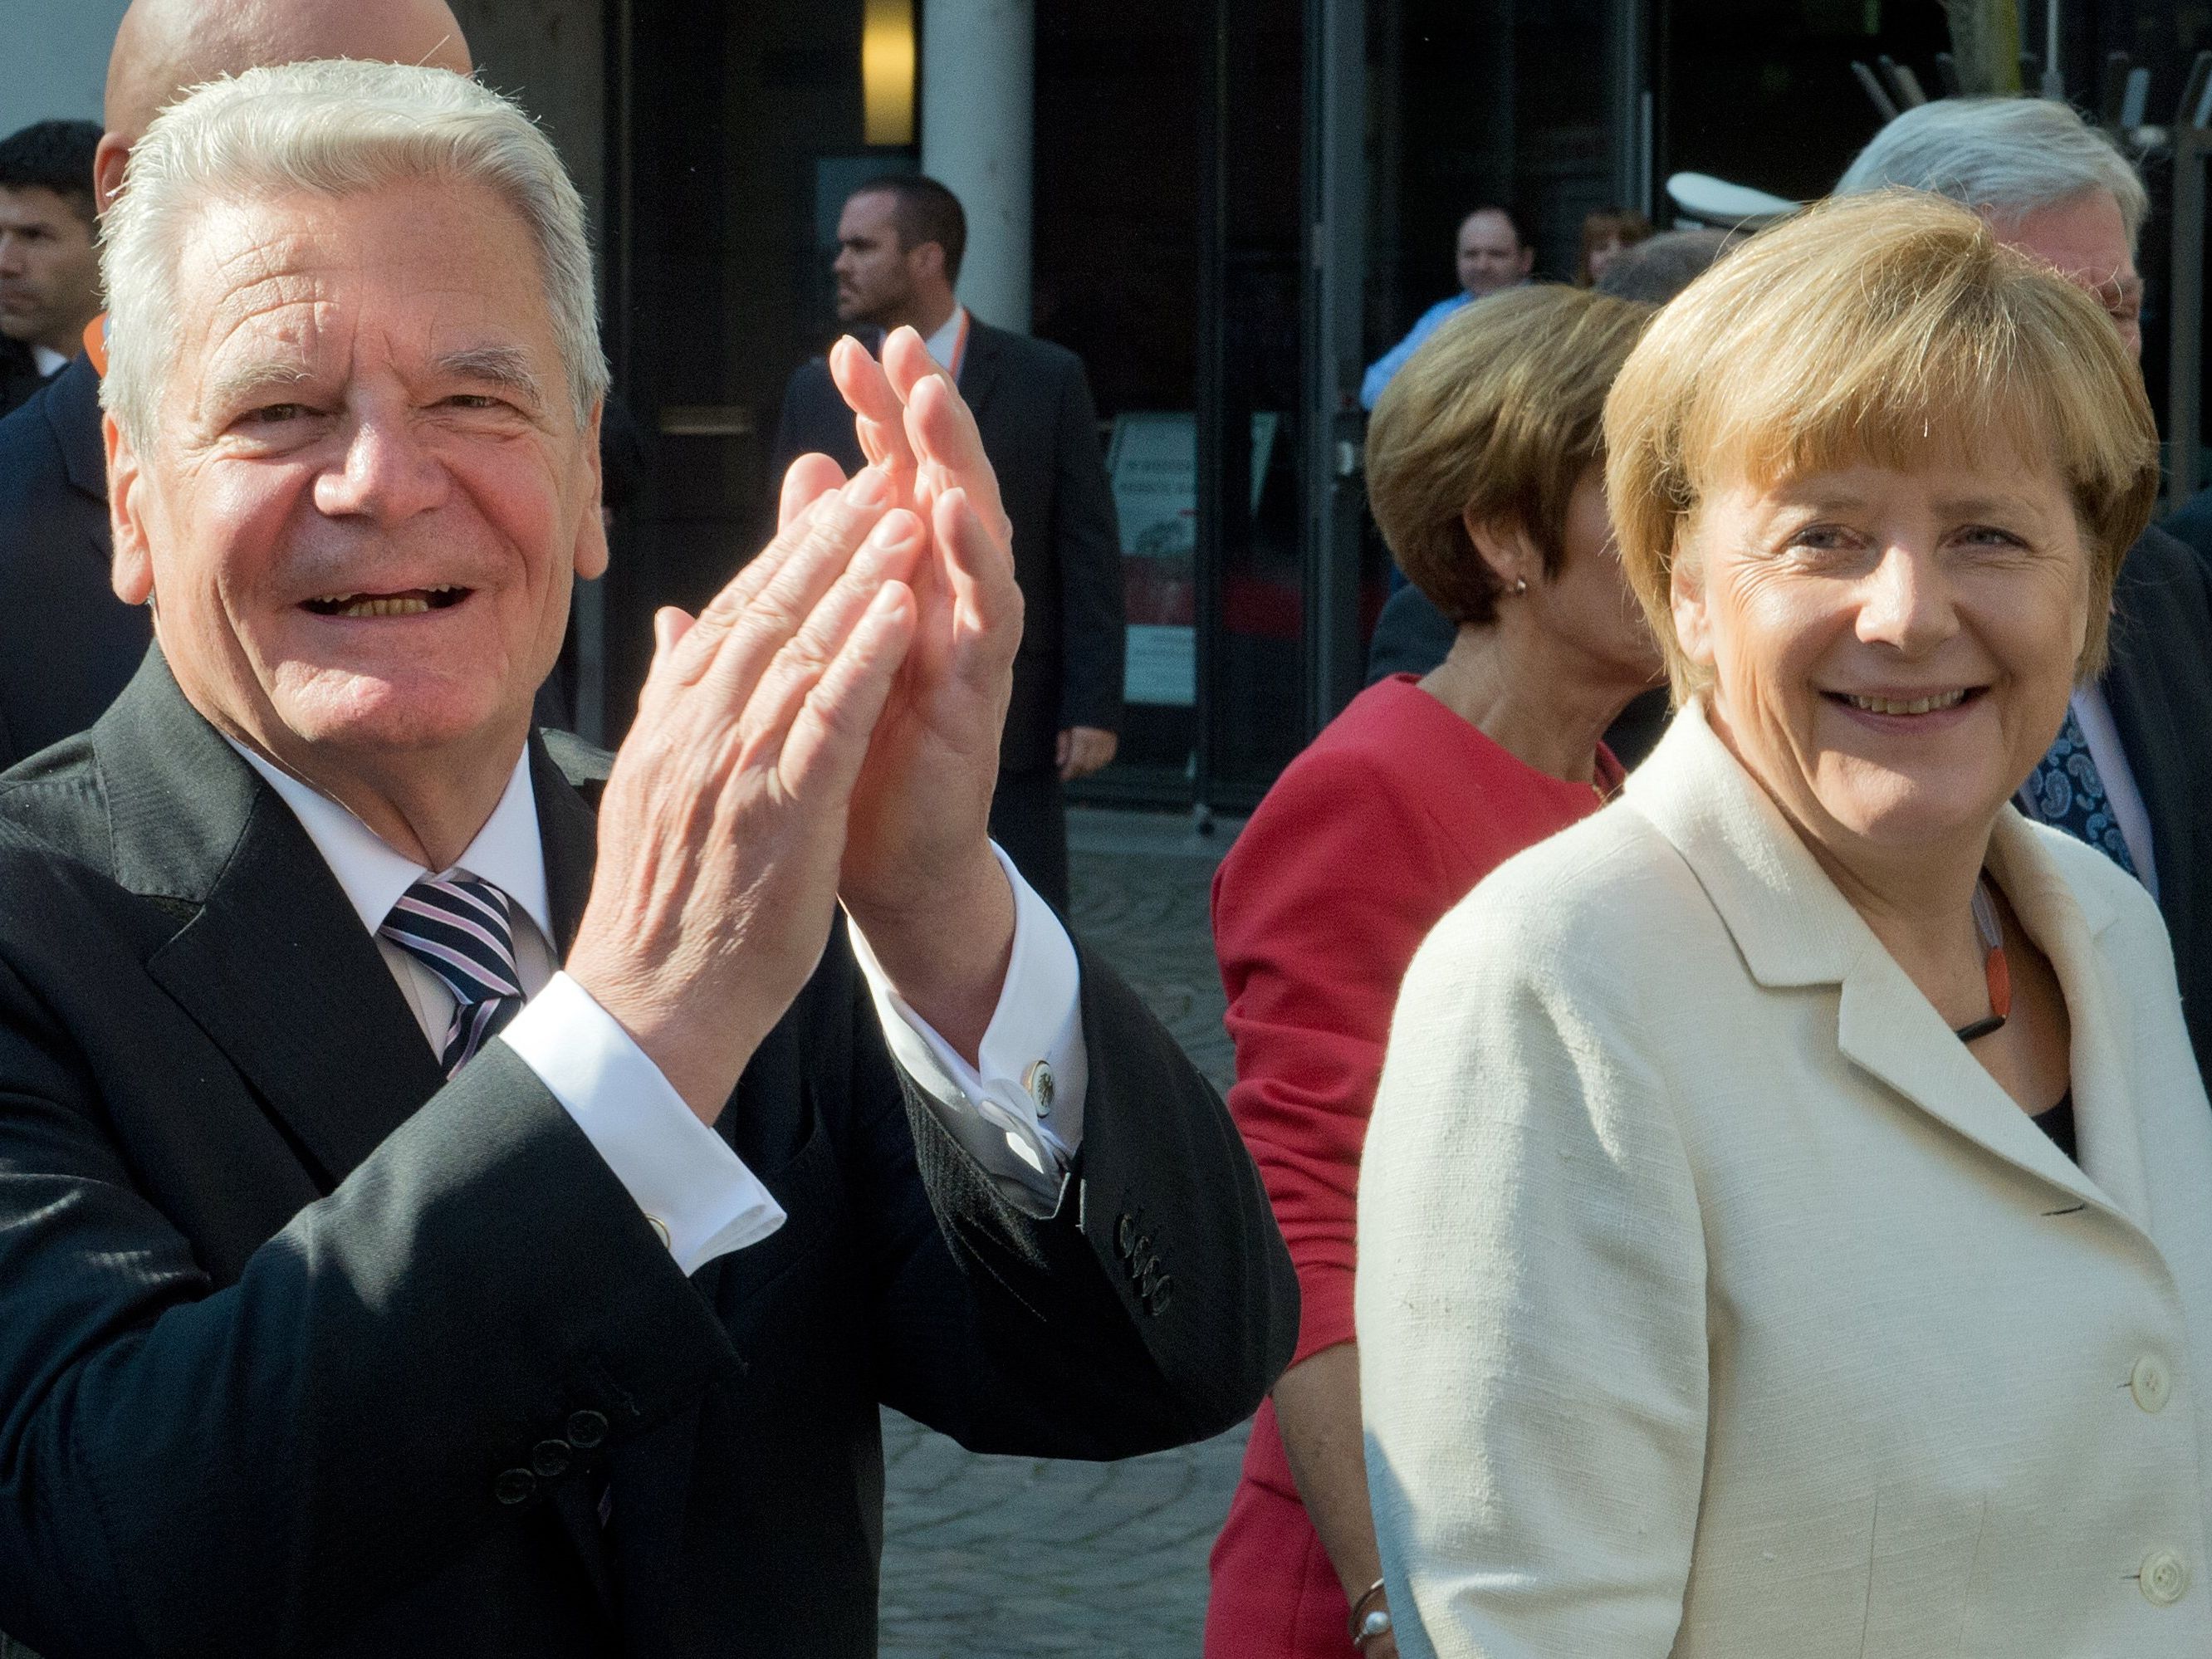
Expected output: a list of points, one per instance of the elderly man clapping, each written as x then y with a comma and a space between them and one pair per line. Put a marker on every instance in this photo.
432, 1221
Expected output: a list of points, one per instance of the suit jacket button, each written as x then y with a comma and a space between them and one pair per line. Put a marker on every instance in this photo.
586, 1429
550, 1459
1156, 1298
1149, 1266
1124, 1235
514, 1486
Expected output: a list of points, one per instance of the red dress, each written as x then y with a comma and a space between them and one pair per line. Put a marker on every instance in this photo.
1391, 816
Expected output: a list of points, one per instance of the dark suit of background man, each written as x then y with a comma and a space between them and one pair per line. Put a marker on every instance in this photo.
2132, 772
49, 265
348, 1305
67, 646
900, 239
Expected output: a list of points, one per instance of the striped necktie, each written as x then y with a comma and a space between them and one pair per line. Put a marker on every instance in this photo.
458, 929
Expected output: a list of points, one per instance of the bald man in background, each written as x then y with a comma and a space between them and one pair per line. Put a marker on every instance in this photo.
67, 644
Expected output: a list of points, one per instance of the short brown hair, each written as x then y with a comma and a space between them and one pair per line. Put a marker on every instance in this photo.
923, 210
1889, 328
1495, 418
1620, 225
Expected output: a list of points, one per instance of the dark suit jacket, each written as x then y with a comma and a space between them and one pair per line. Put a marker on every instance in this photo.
19, 375
67, 644
305, 1351
1032, 404
2159, 686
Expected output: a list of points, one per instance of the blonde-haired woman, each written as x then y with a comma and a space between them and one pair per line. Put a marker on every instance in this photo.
1786, 1228
1484, 471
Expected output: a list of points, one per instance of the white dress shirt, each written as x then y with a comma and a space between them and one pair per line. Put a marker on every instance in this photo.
1018, 1112
945, 345
48, 362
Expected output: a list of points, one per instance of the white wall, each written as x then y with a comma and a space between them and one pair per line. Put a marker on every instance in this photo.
53, 58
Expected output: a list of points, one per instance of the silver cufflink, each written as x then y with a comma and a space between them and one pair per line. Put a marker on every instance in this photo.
1037, 1080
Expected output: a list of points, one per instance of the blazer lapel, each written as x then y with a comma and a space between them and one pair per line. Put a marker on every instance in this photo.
272, 962
74, 417
2156, 739
2065, 922
569, 830
979, 370
1796, 929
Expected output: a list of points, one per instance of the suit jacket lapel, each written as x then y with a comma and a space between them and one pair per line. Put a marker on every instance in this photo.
1794, 928
74, 415
569, 830
978, 371
2152, 738
271, 962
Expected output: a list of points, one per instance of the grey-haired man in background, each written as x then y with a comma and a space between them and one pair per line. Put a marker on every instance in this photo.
2131, 771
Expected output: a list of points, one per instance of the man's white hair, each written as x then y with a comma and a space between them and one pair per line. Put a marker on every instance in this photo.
336, 128
2003, 157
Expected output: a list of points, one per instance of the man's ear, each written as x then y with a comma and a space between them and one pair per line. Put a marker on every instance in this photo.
131, 572
107, 164
1528, 261
925, 260
1687, 599
1506, 549
591, 553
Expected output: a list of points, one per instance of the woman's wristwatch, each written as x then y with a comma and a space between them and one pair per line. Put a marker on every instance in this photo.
1370, 1617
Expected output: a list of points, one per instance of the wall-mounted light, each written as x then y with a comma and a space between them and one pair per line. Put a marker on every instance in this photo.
887, 57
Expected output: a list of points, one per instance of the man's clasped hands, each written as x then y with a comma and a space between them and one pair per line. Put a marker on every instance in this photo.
826, 729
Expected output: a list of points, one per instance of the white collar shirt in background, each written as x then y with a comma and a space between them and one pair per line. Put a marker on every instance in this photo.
944, 344
687, 1179
48, 362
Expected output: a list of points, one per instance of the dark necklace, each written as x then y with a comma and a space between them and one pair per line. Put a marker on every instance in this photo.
1990, 931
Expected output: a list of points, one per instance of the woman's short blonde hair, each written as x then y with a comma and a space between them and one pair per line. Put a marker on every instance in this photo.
1893, 328
1495, 419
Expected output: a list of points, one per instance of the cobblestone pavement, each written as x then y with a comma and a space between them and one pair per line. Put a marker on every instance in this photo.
990, 1557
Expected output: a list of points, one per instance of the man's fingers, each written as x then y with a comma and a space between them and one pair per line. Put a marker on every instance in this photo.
978, 566
907, 363
950, 449
821, 757
806, 479
686, 664
880, 415
892, 550
670, 625
739, 650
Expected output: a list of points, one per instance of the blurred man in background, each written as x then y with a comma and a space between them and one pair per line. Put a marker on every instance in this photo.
1492, 256
67, 644
48, 264
2132, 767
900, 239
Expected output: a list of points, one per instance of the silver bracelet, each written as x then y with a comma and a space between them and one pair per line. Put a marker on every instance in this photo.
1376, 1623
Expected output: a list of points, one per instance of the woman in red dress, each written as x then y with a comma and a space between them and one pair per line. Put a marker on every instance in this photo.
1484, 472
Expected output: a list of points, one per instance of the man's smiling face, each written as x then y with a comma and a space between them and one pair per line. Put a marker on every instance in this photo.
369, 489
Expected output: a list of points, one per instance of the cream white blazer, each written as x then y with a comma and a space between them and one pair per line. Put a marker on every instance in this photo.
1713, 1301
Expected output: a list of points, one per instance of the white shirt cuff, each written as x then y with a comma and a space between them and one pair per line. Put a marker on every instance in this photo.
695, 1191
1020, 1110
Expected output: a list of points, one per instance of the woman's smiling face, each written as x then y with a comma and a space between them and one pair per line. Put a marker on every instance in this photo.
1891, 652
